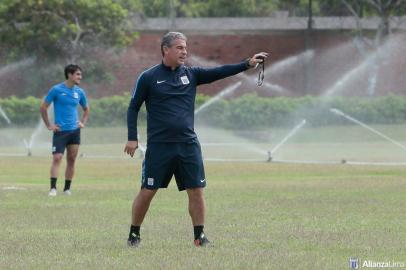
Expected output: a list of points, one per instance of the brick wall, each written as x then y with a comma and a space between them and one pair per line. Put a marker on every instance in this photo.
334, 55
212, 49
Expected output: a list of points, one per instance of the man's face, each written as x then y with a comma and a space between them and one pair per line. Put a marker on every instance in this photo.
75, 77
176, 54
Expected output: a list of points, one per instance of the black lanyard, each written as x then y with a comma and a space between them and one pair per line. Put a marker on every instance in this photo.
261, 74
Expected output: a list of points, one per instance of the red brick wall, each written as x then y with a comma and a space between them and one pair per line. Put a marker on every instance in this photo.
220, 49
327, 66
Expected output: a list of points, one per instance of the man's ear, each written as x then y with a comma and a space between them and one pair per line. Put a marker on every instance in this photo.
165, 49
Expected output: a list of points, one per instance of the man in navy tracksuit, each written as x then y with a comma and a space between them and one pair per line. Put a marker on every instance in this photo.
169, 90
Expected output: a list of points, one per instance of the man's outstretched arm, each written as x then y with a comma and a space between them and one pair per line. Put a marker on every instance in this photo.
208, 75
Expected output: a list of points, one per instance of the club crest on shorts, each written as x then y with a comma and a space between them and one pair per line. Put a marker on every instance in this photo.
150, 181
184, 79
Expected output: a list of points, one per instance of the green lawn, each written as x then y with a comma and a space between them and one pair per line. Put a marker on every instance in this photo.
259, 216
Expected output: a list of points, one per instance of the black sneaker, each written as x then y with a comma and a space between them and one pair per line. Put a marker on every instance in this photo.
202, 241
134, 240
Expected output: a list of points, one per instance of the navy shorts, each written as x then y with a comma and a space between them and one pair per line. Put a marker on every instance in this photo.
61, 139
164, 160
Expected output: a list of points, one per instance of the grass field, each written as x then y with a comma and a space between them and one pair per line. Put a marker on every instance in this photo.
259, 216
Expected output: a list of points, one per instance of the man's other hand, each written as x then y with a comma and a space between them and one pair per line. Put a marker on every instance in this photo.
130, 147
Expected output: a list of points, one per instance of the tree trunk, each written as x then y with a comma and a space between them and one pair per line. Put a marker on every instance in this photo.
309, 43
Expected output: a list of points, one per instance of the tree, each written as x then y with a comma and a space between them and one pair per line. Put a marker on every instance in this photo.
384, 9
62, 28
208, 8
298, 8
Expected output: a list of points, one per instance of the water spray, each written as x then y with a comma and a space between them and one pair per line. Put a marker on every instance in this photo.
276, 67
355, 72
3, 113
142, 148
16, 65
28, 147
223, 93
284, 140
340, 113
29, 144
291, 61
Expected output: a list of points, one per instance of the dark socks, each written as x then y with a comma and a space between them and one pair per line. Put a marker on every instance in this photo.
53, 182
198, 230
135, 229
67, 184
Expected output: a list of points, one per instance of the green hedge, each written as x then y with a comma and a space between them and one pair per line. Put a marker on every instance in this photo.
251, 111
248, 111
20, 111
111, 111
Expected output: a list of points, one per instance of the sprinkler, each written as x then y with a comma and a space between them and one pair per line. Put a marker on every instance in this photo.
27, 146
269, 156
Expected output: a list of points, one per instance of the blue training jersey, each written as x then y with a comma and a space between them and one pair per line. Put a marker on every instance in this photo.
169, 96
65, 102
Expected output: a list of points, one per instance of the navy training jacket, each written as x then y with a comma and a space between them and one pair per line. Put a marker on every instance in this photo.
169, 97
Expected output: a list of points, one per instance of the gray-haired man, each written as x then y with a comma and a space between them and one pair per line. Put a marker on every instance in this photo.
169, 90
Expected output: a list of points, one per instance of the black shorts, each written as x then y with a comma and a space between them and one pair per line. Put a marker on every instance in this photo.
61, 139
163, 160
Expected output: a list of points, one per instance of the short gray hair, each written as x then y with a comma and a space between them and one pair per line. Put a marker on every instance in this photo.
169, 37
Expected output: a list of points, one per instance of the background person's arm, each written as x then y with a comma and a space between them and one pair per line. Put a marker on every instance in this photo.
85, 117
44, 115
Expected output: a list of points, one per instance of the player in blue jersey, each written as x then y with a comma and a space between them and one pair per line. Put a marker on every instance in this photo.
66, 97
169, 90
